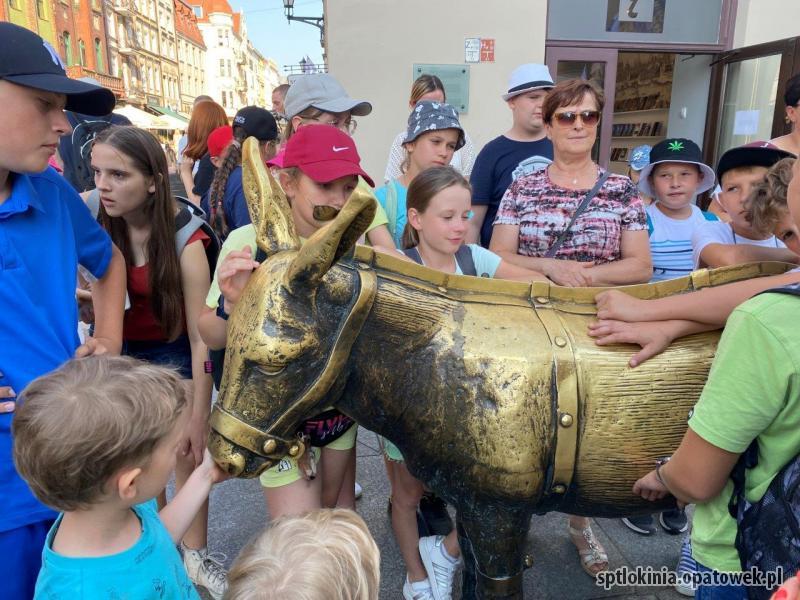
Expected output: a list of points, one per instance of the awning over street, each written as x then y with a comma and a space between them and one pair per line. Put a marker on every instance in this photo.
138, 117
168, 112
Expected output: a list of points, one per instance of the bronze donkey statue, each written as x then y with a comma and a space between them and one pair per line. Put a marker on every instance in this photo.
493, 391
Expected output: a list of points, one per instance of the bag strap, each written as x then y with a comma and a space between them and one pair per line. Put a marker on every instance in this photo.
551, 252
465, 261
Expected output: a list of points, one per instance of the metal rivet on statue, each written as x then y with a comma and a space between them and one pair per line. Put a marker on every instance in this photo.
560, 341
559, 488
566, 420
542, 300
269, 446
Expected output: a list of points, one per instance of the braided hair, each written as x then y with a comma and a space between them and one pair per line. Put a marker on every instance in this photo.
216, 196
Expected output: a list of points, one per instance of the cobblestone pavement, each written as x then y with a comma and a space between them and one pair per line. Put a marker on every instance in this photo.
238, 512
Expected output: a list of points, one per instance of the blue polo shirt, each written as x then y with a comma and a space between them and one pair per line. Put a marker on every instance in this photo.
45, 231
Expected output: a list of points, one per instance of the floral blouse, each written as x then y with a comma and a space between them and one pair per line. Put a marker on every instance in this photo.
542, 210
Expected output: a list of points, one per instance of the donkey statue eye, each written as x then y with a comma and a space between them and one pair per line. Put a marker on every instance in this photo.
270, 370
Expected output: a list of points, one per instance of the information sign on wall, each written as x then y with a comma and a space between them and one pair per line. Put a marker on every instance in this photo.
455, 79
472, 50
487, 50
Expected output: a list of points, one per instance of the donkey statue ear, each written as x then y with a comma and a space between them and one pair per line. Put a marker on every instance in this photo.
329, 244
267, 204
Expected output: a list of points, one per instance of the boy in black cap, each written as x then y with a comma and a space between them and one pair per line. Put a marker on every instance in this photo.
718, 244
45, 231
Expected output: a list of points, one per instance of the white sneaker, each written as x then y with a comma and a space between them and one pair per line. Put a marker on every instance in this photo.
359, 491
409, 593
439, 568
206, 570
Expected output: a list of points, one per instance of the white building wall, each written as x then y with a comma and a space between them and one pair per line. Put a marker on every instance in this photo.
759, 21
372, 46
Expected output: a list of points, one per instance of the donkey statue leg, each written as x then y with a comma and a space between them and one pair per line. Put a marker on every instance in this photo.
492, 540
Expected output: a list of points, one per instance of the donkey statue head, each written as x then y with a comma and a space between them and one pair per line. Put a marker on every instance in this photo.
290, 333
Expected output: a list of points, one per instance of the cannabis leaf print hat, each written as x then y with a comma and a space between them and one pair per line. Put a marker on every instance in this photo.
676, 150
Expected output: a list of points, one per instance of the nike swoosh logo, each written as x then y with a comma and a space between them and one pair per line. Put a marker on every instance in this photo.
335, 149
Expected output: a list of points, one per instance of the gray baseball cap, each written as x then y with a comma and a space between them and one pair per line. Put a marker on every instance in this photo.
323, 92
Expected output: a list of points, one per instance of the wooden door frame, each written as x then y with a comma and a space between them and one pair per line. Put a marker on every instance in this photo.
553, 54
788, 48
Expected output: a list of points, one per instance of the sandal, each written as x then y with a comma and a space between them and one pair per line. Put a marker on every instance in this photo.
593, 558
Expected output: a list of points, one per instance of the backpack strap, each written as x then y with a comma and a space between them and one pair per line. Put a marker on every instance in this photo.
650, 227
413, 254
93, 203
186, 224
793, 289
391, 207
465, 261
463, 257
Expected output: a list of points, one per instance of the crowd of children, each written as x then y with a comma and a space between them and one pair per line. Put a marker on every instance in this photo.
85, 511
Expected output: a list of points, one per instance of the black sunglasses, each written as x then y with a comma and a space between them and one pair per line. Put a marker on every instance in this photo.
589, 118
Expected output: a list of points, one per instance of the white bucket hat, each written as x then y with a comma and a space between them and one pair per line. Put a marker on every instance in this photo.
531, 76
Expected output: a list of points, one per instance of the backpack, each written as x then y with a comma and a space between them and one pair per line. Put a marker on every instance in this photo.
216, 358
188, 220
463, 257
768, 530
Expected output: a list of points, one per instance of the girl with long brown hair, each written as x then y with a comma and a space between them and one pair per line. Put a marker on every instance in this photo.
167, 289
428, 87
196, 170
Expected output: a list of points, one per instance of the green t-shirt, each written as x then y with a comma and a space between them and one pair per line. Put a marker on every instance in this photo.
753, 390
246, 236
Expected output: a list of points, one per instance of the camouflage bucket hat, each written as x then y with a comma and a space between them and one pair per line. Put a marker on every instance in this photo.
433, 116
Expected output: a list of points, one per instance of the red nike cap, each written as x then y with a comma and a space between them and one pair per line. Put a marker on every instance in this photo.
324, 153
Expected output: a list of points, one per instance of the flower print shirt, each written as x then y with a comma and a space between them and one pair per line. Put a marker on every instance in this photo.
542, 210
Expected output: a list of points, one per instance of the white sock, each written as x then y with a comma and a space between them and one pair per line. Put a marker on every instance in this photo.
420, 586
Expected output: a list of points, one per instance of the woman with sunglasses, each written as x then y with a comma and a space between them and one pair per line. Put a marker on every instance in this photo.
605, 244
573, 221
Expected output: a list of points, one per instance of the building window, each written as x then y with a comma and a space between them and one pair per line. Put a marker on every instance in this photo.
41, 10
66, 48
82, 53
98, 56
221, 67
198, 11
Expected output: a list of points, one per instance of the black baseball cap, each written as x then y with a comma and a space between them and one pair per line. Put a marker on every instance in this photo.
26, 59
754, 154
680, 150
257, 122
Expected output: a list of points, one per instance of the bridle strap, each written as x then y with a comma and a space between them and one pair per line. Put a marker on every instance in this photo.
267, 443
346, 337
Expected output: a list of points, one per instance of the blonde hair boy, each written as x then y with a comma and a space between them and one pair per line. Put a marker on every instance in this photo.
328, 553
97, 440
